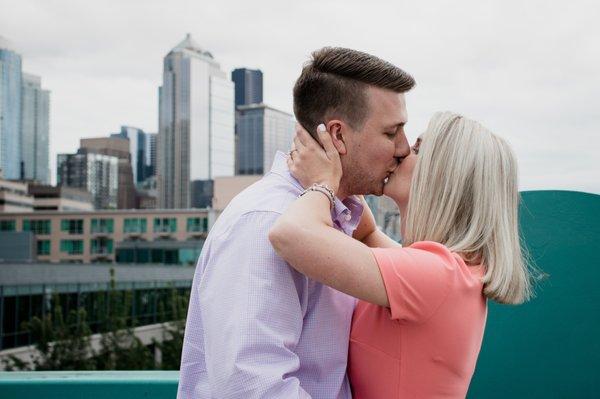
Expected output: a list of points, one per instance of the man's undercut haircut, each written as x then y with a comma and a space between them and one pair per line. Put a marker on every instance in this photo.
333, 85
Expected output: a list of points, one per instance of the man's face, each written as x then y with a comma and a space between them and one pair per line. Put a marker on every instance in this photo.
374, 152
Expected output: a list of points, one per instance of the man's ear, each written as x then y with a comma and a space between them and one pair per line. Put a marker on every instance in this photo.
336, 130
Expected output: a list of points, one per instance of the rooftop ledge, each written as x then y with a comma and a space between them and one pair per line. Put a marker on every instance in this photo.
90, 384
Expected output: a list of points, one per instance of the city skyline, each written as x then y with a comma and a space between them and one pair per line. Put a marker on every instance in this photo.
502, 68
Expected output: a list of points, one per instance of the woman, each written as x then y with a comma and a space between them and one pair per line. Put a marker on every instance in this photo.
418, 327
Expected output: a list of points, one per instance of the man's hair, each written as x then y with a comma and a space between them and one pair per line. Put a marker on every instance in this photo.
333, 84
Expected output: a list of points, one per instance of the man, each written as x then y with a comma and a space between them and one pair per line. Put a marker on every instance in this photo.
256, 327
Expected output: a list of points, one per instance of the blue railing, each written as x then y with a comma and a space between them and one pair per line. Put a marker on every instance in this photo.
89, 384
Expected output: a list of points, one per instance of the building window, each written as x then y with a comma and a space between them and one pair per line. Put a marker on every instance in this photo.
72, 247
102, 226
37, 226
43, 247
99, 246
197, 225
72, 226
165, 225
7, 225
134, 225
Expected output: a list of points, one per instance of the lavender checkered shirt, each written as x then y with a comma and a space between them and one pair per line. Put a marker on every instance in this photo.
256, 327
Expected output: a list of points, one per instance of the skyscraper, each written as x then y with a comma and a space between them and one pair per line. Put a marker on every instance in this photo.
35, 126
261, 131
248, 86
150, 160
196, 123
137, 148
10, 111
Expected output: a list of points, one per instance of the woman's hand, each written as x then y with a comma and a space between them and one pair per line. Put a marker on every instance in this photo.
310, 163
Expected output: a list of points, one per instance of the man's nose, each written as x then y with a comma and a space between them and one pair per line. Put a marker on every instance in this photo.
402, 147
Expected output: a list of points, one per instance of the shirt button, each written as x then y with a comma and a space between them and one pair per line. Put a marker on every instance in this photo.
348, 217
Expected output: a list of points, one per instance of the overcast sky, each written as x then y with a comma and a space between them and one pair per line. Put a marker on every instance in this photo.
530, 71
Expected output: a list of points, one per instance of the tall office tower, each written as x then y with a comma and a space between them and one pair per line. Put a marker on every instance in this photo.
248, 86
137, 149
150, 160
118, 147
261, 132
196, 124
35, 127
96, 173
10, 111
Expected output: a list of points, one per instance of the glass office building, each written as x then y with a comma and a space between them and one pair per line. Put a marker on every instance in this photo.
261, 132
196, 123
35, 126
248, 86
10, 111
142, 145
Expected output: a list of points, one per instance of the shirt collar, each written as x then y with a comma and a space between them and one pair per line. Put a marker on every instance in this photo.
345, 214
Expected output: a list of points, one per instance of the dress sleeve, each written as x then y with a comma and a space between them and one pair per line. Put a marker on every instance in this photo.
417, 279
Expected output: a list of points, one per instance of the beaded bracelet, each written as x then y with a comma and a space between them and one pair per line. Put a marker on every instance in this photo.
322, 188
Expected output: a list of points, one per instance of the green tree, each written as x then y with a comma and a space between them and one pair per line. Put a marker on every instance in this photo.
61, 344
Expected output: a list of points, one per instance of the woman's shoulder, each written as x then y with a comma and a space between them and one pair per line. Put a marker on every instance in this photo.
422, 251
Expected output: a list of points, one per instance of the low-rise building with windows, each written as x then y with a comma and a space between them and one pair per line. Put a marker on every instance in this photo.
14, 196
121, 236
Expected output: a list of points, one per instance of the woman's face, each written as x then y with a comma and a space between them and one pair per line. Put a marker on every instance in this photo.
398, 185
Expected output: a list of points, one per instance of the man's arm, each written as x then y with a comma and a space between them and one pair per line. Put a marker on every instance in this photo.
252, 314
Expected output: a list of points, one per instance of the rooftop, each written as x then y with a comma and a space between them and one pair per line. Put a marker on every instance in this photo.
189, 44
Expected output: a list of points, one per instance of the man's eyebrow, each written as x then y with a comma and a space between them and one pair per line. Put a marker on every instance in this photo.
395, 126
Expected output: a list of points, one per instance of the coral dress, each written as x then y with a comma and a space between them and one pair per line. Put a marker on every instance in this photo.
426, 344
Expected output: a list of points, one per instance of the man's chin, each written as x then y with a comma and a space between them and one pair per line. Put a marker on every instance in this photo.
378, 191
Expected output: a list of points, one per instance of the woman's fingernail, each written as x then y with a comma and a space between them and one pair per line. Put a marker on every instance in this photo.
321, 128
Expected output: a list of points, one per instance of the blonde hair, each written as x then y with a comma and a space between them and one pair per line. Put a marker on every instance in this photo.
464, 194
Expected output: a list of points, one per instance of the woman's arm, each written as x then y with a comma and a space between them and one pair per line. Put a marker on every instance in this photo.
305, 238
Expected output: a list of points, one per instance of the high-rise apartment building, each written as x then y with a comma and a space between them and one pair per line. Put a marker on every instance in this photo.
117, 147
248, 86
10, 111
35, 127
261, 132
96, 173
196, 123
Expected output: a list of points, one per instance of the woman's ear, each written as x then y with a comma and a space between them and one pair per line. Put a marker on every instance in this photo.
336, 130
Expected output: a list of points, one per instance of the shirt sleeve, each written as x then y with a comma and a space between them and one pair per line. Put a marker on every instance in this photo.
251, 305
417, 279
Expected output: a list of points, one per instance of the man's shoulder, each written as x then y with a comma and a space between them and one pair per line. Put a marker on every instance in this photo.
266, 198
272, 193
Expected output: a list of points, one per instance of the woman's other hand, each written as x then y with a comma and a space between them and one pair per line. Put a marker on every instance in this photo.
310, 163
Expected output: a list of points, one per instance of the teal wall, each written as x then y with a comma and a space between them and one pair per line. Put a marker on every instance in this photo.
549, 347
